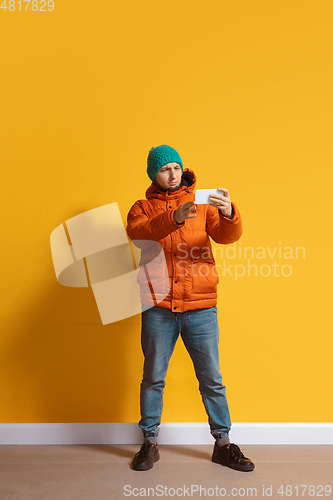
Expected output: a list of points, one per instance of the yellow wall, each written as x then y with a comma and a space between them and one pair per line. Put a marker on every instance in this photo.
243, 90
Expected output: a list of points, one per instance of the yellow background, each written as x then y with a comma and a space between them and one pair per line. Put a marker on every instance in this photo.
243, 90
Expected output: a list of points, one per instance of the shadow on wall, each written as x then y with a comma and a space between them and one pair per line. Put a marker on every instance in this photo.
60, 364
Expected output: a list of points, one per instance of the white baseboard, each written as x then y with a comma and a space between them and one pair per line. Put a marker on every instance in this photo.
170, 433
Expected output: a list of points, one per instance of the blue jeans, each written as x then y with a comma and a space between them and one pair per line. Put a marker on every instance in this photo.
200, 334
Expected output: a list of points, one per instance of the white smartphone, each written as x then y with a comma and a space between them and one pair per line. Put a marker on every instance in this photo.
202, 195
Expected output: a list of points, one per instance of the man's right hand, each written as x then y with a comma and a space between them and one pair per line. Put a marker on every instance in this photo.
185, 211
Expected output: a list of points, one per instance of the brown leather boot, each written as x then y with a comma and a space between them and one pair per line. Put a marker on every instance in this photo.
231, 456
146, 457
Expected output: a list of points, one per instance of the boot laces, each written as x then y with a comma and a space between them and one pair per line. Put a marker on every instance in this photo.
236, 451
145, 450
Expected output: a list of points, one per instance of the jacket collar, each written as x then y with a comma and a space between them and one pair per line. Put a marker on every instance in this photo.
188, 175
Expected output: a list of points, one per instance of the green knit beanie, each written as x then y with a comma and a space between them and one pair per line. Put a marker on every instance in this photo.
160, 156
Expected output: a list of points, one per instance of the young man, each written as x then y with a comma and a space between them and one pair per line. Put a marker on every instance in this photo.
170, 217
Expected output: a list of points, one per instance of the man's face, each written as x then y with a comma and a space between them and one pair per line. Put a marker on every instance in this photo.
168, 178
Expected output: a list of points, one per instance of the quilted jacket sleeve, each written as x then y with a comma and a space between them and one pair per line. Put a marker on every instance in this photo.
222, 229
142, 227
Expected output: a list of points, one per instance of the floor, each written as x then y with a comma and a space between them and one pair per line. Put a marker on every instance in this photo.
102, 472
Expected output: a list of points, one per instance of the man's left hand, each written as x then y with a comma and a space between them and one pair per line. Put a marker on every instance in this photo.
222, 201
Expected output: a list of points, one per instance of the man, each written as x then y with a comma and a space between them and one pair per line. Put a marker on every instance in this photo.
170, 217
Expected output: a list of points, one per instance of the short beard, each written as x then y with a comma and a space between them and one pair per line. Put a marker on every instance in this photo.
171, 189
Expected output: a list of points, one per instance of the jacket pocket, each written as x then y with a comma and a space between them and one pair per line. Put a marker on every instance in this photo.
204, 278
153, 278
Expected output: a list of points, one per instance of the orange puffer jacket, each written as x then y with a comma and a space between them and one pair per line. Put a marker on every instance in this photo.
190, 277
